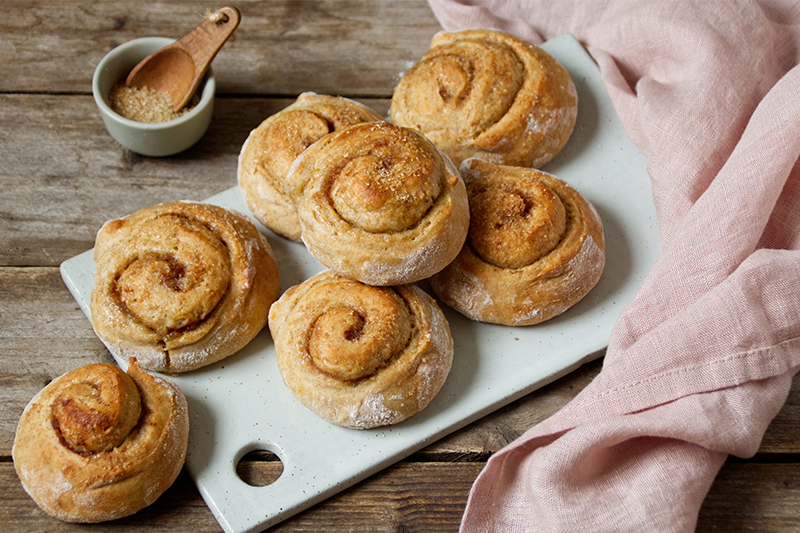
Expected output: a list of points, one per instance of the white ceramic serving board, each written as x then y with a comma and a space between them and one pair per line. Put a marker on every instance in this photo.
240, 404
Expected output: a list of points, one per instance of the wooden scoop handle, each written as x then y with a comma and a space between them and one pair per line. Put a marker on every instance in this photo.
179, 67
203, 44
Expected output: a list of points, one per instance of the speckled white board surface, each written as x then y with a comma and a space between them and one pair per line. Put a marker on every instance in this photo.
240, 404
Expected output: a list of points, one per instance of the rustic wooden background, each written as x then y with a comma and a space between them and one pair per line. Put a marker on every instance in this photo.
62, 176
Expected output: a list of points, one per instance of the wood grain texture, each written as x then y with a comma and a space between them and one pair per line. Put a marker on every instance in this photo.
752, 497
281, 47
53, 204
423, 497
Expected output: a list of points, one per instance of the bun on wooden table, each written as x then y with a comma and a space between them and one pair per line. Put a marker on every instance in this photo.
98, 444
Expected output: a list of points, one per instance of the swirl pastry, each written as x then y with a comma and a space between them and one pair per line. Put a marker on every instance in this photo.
98, 444
379, 204
181, 285
360, 356
535, 247
490, 95
272, 147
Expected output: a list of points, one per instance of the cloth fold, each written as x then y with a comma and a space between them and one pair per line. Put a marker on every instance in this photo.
703, 358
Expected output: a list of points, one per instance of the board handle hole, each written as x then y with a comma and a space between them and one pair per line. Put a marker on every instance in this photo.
259, 468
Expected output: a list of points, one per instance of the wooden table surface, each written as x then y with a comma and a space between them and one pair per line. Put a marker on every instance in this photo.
62, 176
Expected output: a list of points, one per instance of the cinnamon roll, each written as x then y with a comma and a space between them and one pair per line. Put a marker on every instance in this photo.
272, 147
379, 203
98, 444
360, 356
488, 94
181, 285
535, 247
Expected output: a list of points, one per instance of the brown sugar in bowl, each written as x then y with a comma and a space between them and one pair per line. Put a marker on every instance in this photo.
151, 139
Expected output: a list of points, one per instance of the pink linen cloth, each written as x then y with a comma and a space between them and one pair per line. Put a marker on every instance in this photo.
703, 358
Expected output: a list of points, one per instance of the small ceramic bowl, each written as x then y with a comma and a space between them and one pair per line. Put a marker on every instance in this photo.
151, 139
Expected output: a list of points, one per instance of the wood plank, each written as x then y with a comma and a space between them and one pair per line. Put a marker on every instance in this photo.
43, 334
753, 497
180, 508
426, 497
31, 297
281, 47
53, 204
783, 434
418, 497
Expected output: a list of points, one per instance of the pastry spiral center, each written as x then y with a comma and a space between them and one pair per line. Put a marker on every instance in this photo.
514, 223
352, 341
289, 136
388, 189
469, 83
96, 415
180, 279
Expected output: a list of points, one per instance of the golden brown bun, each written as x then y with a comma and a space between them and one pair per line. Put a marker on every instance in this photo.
490, 95
535, 247
272, 147
379, 203
181, 285
360, 356
98, 444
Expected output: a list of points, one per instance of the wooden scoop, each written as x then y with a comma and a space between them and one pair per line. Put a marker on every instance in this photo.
178, 68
